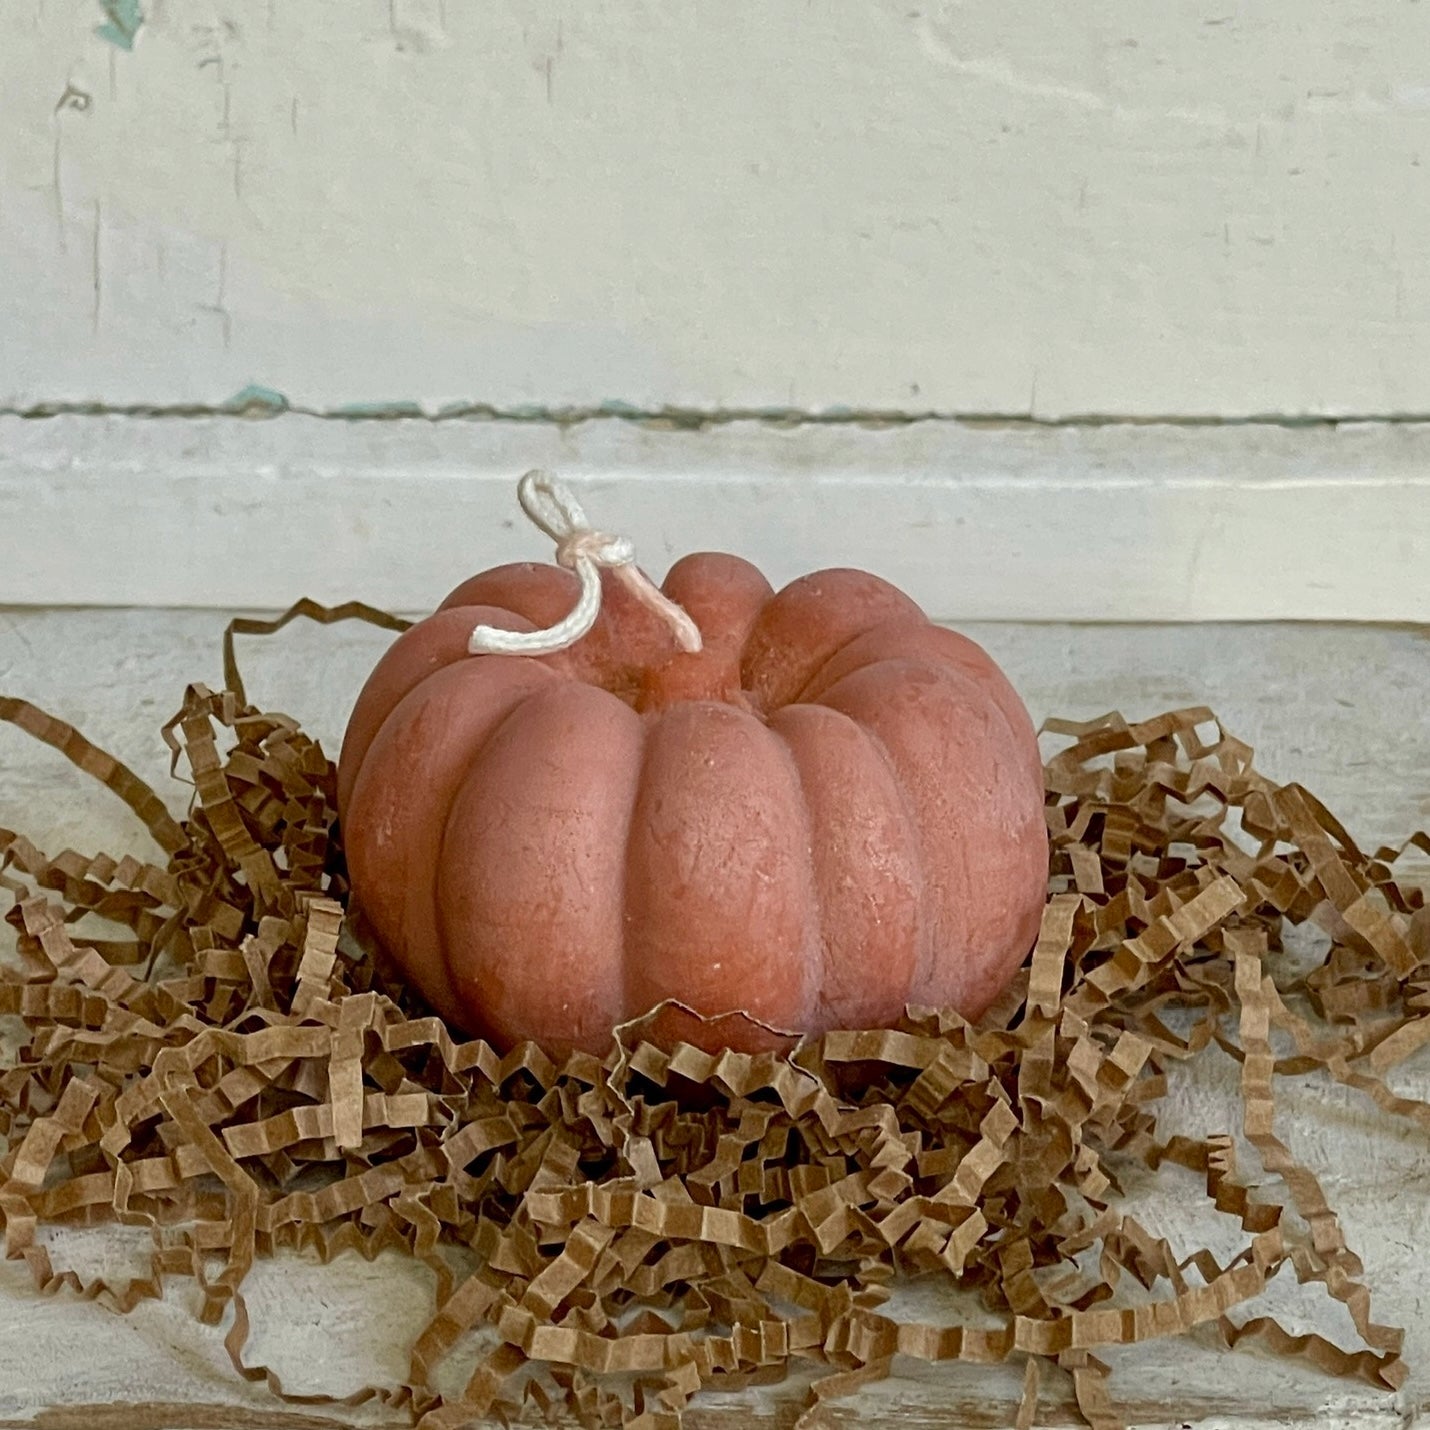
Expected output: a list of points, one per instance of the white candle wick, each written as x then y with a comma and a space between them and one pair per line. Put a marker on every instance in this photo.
552, 506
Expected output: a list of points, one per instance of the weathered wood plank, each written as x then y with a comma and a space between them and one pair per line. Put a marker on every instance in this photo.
1022, 523
1340, 708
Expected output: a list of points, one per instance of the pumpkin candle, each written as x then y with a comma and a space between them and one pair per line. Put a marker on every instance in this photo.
567, 796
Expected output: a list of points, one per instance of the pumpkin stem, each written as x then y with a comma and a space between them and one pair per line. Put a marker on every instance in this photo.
552, 506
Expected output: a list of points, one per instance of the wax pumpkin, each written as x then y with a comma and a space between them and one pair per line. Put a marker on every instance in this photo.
830, 811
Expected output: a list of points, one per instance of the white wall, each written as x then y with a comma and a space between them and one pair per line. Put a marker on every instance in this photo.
1193, 211
1113, 207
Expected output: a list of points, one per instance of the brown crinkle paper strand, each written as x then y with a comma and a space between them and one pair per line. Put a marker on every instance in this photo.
235, 1075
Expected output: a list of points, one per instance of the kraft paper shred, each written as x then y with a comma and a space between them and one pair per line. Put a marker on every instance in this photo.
236, 1074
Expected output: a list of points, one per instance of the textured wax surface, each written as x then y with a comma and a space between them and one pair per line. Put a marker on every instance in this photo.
831, 811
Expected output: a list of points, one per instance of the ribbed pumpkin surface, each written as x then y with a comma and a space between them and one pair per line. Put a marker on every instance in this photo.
832, 810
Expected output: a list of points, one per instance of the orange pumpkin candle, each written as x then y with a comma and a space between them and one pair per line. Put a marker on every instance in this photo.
813, 806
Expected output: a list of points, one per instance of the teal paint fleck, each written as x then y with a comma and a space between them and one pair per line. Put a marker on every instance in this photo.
122, 21
254, 398
379, 409
613, 407
522, 412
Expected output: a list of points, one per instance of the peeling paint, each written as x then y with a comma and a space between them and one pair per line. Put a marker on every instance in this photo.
256, 401
614, 407
122, 21
401, 407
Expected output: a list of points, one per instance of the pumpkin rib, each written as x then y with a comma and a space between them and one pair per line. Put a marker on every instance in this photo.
929, 953
816, 945
730, 613
989, 683
825, 600
543, 592
628, 865
712, 916
1003, 774
449, 684
915, 843
531, 806
724, 596
989, 679
855, 859
804, 697
473, 756
954, 798
446, 632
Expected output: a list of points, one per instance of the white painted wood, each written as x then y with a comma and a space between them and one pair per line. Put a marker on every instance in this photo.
1340, 709
912, 205
1023, 523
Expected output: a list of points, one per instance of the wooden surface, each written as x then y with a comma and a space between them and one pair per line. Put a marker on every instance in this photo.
976, 521
1341, 708
1113, 207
